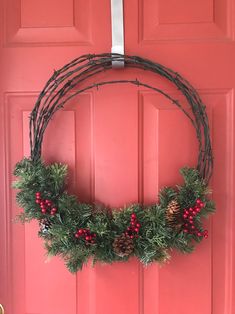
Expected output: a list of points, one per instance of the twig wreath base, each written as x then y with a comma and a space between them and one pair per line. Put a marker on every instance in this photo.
77, 231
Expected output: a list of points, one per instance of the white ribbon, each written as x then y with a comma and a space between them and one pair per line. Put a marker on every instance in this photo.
117, 31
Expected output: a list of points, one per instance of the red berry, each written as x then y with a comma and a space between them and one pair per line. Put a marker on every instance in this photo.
191, 222
54, 209
132, 223
87, 238
138, 225
133, 215
131, 236
186, 230
44, 210
38, 201
190, 217
136, 229
76, 235
190, 209
186, 212
198, 201
49, 204
202, 205
192, 227
185, 216
205, 234
37, 193
80, 231
194, 213
199, 234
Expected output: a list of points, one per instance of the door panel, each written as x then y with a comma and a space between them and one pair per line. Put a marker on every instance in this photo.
48, 23
29, 272
170, 20
122, 144
199, 277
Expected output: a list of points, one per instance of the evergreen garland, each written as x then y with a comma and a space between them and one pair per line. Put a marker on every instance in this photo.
77, 231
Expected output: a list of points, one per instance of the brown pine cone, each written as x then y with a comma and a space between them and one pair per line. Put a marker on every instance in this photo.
123, 245
173, 216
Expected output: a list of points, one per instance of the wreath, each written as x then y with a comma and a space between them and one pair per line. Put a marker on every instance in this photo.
79, 231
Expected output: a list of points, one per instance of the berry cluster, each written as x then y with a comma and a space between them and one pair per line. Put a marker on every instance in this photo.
47, 206
189, 220
86, 235
133, 230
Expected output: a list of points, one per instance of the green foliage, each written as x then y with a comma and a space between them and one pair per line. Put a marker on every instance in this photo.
193, 188
155, 238
58, 174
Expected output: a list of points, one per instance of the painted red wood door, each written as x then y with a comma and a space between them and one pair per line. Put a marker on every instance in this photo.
122, 145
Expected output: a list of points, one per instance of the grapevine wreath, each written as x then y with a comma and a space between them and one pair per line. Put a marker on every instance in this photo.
77, 231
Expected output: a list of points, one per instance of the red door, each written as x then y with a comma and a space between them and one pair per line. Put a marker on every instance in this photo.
122, 145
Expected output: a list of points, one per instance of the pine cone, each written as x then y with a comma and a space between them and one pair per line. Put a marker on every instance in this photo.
123, 245
173, 216
44, 225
